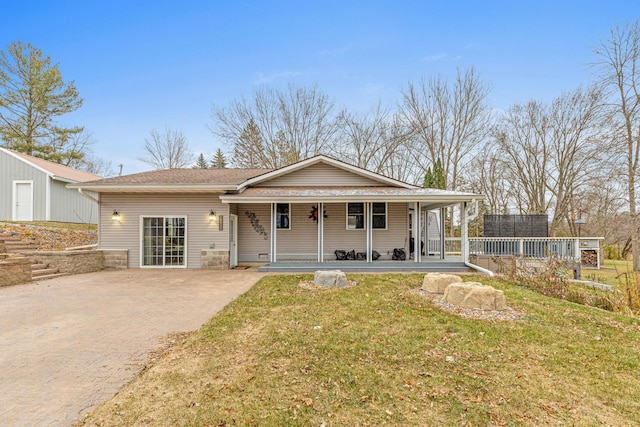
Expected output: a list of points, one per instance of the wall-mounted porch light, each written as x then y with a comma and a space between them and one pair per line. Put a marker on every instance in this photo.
216, 218
115, 215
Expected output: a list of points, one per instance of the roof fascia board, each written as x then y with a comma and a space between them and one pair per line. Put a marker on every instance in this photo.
33, 165
59, 178
341, 199
320, 158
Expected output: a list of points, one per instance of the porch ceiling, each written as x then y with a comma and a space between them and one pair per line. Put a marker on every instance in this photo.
431, 197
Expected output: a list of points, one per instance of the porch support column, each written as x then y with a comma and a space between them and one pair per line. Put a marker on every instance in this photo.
320, 232
416, 232
368, 210
272, 251
443, 232
464, 232
425, 236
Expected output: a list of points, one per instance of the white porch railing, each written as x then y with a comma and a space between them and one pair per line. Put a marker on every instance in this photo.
529, 247
452, 246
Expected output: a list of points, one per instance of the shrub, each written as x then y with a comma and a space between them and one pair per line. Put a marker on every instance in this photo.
612, 252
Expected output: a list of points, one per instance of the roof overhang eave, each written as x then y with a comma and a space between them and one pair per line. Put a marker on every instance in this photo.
177, 188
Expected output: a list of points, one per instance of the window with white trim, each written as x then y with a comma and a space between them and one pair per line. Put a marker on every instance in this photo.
282, 216
355, 216
164, 241
379, 216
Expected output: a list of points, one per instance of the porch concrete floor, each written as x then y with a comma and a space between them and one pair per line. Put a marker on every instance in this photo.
293, 266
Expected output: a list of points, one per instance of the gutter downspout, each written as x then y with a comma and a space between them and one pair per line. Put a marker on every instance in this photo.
93, 199
468, 219
480, 269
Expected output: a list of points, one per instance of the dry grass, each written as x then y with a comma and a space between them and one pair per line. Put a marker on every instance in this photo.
52, 235
379, 354
610, 272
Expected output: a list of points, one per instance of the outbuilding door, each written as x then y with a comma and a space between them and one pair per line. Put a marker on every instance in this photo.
23, 201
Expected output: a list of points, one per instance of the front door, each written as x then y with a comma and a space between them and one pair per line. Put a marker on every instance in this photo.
23, 201
233, 240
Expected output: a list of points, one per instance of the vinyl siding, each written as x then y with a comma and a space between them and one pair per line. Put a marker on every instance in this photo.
397, 233
250, 243
125, 234
301, 241
70, 206
336, 235
12, 169
320, 174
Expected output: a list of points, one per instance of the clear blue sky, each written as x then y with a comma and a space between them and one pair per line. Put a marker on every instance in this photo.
141, 65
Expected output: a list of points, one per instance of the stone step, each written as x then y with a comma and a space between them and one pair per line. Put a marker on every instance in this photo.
38, 266
48, 276
44, 272
18, 245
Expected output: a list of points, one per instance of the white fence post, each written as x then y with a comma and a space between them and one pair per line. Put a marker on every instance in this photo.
521, 248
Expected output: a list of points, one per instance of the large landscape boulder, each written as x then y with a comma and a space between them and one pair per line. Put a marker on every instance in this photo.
436, 283
475, 295
330, 279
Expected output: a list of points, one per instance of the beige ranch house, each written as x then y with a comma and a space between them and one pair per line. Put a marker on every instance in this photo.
290, 219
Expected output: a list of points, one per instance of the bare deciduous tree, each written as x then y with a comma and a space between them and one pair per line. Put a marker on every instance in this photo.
619, 67
276, 127
82, 142
96, 165
552, 151
370, 141
167, 150
489, 178
448, 122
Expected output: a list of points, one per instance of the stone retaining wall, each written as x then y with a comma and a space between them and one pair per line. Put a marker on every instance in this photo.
14, 271
116, 259
3, 247
214, 260
69, 262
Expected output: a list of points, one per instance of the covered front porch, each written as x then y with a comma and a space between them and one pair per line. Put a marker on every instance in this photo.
359, 231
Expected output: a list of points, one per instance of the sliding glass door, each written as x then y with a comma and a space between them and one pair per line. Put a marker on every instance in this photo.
164, 241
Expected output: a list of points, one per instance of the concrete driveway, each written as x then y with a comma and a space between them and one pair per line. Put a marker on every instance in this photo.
70, 343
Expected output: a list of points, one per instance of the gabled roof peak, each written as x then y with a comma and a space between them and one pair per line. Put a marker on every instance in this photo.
55, 170
322, 158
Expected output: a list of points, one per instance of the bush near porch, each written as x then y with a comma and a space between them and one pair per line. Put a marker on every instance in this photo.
380, 354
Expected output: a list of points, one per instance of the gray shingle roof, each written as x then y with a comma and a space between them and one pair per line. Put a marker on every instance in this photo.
171, 177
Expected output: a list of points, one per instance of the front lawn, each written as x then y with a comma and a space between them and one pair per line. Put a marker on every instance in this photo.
379, 354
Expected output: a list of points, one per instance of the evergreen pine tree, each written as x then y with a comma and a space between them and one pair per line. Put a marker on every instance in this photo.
435, 178
201, 163
219, 161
